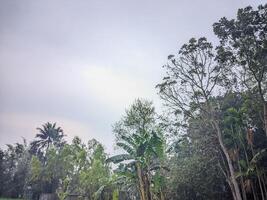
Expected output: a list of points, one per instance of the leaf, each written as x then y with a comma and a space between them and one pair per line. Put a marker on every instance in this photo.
120, 158
126, 147
130, 164
166, 78
127, 139
157, 167
243, 164
170, 57
258, 156
98, 193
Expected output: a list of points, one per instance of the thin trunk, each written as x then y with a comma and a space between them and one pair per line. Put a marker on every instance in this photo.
253, 191
244, 195
161, 195
265, 116
147, 187
149, 191
243, 187
252, 186
264, 187
227, 177
259, 180
232, 189
264, 184
229, 162
258, 175
141, 183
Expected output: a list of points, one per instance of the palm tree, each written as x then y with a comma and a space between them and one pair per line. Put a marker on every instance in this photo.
48, 135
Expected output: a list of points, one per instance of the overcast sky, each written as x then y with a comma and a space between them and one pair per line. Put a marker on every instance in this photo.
80, 63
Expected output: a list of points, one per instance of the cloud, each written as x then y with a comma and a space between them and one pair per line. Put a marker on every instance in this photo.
115, 89
84, 100
81, 63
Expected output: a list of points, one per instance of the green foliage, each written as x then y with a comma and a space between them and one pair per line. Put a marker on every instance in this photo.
115, 195
139, 135
36, 168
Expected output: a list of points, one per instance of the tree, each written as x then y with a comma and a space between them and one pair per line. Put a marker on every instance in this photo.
14, 169
47, 166
243, 47
48, 135
140, 137
194, 171
84, 170
96, 176
193, 78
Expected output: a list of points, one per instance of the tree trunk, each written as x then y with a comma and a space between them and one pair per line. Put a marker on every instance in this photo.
147, 187
265, 116
232, 188
259, 181
161, 195
243, 188
141, 183
244, 195
258, 175
233, 180
149, 193
264, 185
253, 191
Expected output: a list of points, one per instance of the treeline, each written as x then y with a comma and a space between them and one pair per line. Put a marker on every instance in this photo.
50, 165
210, 142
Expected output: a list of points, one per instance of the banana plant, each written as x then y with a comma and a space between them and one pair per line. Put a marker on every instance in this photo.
142, 156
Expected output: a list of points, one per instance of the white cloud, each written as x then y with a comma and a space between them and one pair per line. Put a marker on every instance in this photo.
115, 89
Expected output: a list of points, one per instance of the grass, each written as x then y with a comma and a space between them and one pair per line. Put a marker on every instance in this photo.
9, 199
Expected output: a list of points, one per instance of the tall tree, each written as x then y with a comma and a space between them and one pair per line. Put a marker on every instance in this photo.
243, 46
193, 78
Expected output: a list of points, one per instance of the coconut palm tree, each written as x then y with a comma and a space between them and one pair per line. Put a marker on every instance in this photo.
48, 135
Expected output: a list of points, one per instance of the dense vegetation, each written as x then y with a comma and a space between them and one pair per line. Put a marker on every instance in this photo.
209, 142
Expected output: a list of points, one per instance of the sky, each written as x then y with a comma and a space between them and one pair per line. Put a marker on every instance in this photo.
82, 63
